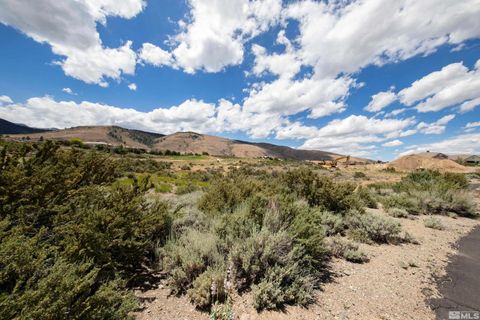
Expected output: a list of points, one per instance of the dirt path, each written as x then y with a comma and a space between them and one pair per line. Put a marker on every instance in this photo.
460, 287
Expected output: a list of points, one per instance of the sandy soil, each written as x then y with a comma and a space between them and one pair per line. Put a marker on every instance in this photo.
387, 287
413, 162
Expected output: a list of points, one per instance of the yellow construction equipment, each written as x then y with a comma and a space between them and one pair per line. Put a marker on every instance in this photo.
335, 161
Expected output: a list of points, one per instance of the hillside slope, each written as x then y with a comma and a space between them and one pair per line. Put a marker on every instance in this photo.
110, 135
198, 143
7, 127
184, 142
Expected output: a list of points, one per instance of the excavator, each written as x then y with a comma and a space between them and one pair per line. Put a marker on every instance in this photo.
331, 164
335, 161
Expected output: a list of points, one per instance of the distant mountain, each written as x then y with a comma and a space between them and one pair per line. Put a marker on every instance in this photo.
184, 142
109, 135
7, 127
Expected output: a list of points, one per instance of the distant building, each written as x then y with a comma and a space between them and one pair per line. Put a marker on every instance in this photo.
473, 160
440, 156
434, 155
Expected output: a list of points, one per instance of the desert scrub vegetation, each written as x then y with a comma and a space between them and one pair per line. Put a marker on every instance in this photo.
429, 192
359, 175
345, 249
371, 228
80, 228
264, 232
398, 212
71, 245
433, 223
368, 198
221, 311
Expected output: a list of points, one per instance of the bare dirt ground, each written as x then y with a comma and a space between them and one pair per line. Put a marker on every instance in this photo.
413, 162
395, 284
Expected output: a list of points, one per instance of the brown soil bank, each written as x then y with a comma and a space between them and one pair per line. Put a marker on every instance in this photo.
413, 162
460, 287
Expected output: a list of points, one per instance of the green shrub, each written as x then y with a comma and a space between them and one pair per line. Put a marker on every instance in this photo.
459, 202
404, 201
433, 223
163, 187
251, 258
237, 226
76, 142
367, 197
221, 312
355, 256
321, 191
281, 286
452, 215
431, 192
71, 244
371, 228
186, 167
429, 179
308, 231
398, 212
185, 258
208, 288
344, 249
277, 270
359, 175
408, 238
225, 194
332, 223
188, 188
72, 291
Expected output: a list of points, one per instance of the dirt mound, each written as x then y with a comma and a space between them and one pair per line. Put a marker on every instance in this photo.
414, 162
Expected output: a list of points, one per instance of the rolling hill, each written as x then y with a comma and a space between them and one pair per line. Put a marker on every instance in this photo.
184, 142
7, 127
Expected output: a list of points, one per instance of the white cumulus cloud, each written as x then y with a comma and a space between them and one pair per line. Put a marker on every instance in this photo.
344, 36
5, 100
452, 85
45, 112
436, 127
460, 144
69, 27
356, 134
472, 124
393, 143
380, 101
69, 91
150, 53
214, 34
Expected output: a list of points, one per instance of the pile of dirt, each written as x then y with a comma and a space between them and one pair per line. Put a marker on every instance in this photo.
414, 162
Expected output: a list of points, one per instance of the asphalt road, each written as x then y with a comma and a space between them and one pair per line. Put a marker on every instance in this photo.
460, 287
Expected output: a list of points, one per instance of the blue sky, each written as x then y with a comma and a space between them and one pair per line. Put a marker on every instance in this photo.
368, 78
